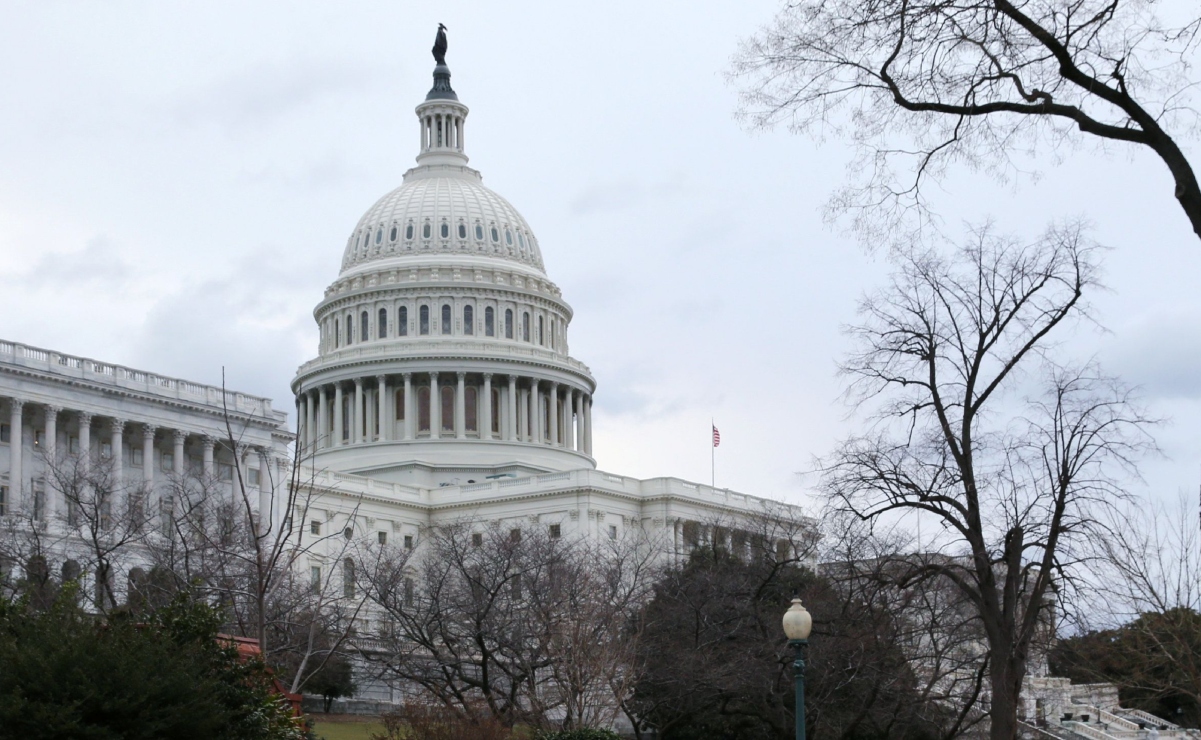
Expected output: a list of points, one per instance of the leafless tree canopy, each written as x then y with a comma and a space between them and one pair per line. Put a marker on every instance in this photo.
1008, 453
920, 85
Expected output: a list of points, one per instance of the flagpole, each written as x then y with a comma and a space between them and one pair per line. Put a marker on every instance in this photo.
712, 456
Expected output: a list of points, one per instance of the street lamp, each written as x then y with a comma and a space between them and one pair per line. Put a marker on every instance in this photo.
798, 623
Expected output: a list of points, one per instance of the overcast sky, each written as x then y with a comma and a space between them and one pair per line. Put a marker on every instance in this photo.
178, 180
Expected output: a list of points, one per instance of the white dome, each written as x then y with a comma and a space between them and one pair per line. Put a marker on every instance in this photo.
442, 209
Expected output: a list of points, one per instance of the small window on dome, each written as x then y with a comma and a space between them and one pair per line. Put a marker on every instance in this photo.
479, 232
468, 320
409, 232
392, 235
350, 330
521, 240
525, 326
402, 321
489, 322
379, 235
462, 231
424, 320
508, 323
508, 237
425, 231
364, 327
446, 320
445, 230
382, 324
495, 235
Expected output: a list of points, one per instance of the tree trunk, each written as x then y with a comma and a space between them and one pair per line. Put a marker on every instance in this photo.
1005, 684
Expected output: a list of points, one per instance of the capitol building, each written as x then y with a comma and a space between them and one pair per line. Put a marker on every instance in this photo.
442, 389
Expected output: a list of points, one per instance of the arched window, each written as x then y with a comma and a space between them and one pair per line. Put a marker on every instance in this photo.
424, 320
337, 333
446, 320
468, 320
489, 322
462, 231
508, 323
423, 408
348, 578
525, 326
364, 327
495, 235
383, 323
402, 321
495, 401
479, 233
392, 234
379, 235
540, 335
350, 330
400, 404
425, 231
409, 232
445, 230
471, 408
508, 237
448, 408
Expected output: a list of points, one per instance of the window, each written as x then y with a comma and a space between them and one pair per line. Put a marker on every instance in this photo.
3, 500
39, 500
315, 578
364, 327
462, 231
166, 462
348, 532
400, 404
445, 230
521, 240
540, 335
337, 333
39, 439
489, 322
508, 323
135, 457
468, 319
409, 232
349, 330
423, 408
612, 531
408, 542
525, 326
495, 235
253, 476
225, 471
477, 539
425, 231
514, 535
383, 537
5, 433
409, 592
471, 408
315, 527
402, 321
448, 408
379, 235
423, 320
508, 237
106, 448
383, 323
392, 235
446, 320
73, 445
556, 531
479, 232
348, 578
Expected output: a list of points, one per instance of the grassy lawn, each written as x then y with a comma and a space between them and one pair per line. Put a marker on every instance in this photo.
345, 727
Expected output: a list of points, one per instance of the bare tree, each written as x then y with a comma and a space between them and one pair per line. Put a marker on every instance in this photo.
921, 85
977, 428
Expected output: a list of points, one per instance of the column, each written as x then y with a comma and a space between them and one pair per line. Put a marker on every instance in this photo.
486, 407
266, 489
579, 422
117, 442
535, 413
511, 415
50, 428
568, 413
461, 407
435, 407
385, 418
209, 444
588, 426
410, 407
310, 424
16, 451
523, 415
358, 418
336, 434
147, 452
552, 400
177, 454
321, 438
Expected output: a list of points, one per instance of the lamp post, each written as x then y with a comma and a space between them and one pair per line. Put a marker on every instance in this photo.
798, 623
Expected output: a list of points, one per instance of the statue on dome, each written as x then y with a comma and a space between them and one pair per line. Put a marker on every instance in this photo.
440, 45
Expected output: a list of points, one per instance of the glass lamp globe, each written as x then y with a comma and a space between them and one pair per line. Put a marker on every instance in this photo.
798, 623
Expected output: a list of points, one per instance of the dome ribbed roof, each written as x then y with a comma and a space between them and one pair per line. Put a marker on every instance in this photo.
442, 209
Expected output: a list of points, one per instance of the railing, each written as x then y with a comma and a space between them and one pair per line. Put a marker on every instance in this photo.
1108, 718
56, 362
1085, 730
1150, 719
415, 348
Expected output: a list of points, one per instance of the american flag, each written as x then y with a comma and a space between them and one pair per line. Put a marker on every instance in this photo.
716, 437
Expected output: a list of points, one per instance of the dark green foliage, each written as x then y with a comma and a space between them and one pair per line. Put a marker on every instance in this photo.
68, 674
579, 734
1155, 661
333, 680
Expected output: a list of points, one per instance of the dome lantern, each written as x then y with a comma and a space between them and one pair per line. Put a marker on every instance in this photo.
441, 115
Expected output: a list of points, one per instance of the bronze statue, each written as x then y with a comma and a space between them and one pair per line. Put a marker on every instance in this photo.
440, 45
